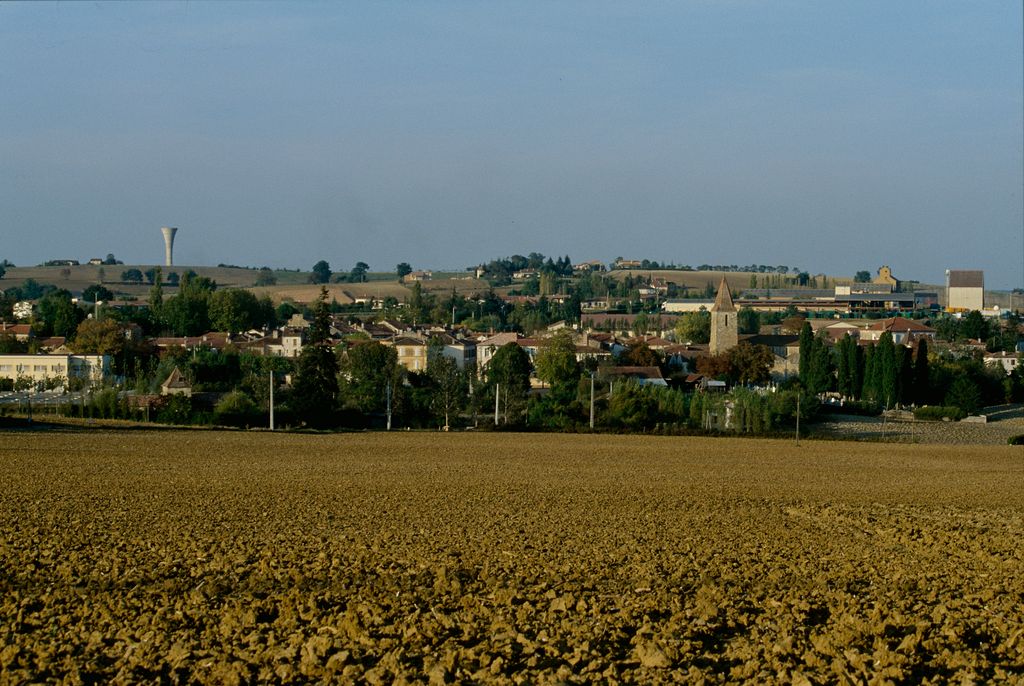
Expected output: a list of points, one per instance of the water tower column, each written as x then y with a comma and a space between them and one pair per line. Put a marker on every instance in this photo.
168, 233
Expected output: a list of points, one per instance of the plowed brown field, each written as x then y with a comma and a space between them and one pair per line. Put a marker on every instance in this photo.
219, 557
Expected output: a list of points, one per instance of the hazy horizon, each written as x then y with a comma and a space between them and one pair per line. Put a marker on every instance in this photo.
833, 138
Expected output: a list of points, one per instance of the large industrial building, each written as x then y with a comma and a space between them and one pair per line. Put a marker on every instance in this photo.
965, 290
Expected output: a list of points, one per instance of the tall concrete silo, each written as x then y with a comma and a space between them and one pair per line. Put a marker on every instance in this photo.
168, 232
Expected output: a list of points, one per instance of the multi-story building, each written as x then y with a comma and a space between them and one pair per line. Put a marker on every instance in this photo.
412, 352
43, 368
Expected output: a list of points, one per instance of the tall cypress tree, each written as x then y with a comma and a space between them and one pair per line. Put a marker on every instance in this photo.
905, 384
820, 370
856, 354
921, 380
870, 387
844, 379
806, 353
888, 371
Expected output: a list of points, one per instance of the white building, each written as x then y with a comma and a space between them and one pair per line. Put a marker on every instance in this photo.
686, 305
965, 290
486, 348
23, 309
1008, 361
40, 368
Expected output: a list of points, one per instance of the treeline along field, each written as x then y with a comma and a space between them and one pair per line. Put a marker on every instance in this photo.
503, 558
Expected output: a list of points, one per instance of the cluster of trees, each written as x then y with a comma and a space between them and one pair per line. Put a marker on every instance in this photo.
321, 273
200, 307
151, 275
997, 335
889, 375
499, 271
760, 268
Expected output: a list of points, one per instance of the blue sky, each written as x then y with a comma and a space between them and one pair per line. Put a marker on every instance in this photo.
830, 136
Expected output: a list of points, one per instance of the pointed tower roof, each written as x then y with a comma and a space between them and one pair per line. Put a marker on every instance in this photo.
176, 380
723, 301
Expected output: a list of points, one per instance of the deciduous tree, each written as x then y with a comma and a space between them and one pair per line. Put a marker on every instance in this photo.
99, 337
449, 387
58, 316
367, 371
694, 327
321, 272
556, 364
749, 320
97, 293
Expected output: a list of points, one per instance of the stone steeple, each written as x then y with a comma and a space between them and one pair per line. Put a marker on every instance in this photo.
724, 324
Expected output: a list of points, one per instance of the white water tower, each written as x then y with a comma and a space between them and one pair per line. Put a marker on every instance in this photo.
168, 232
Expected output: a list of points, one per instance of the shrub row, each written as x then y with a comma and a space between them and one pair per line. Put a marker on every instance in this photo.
938, 413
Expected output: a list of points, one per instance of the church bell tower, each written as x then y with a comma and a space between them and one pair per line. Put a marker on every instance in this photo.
724, 324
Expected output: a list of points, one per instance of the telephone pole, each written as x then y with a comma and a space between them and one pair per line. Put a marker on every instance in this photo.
591, 401
497, 394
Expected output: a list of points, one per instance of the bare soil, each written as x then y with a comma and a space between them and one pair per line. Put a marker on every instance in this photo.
230, 557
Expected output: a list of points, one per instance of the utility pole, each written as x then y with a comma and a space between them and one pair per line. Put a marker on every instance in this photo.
271, 399
798, 418
884, 412
591, 401
389, 405
497, 394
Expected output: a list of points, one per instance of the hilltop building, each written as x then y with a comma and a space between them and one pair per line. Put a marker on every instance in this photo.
724, 321
885, 278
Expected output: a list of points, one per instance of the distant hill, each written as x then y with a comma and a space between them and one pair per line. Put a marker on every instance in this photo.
291, 285
79, 277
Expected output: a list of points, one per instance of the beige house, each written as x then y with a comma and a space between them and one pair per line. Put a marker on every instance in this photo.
901, 328
176, 384
412, 352
411, 277
20, 332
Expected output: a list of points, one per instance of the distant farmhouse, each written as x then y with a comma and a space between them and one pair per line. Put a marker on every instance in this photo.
886, 278
412, 277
